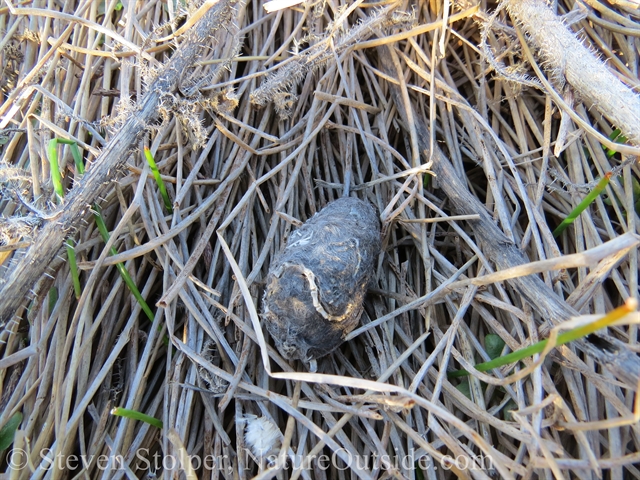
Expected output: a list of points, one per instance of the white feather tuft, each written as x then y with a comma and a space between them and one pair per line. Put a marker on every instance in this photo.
260, 435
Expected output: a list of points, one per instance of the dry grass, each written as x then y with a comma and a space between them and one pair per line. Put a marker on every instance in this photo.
282, 114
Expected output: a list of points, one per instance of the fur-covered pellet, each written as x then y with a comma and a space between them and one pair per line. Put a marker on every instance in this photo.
316, 285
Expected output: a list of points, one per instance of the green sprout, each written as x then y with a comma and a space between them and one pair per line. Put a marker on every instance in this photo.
56, 179
135, 415
616, 136
156, 175
593, 194
8, 432
104, 232
566, 337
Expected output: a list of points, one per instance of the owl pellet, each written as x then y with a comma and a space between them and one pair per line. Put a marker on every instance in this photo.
317, 284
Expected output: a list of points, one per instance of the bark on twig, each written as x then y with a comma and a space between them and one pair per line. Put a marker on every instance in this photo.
565, 55
505, 254
100, 174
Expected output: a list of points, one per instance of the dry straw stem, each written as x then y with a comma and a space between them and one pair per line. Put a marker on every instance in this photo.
565, 56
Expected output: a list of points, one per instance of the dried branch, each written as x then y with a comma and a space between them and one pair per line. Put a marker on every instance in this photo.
567, 57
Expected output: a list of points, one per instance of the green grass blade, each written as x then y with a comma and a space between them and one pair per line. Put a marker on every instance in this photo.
135, 415
102, 227
53, 298
566, 337
73, 266
75, 153
616, 136
156, 175
593, 194
56, 177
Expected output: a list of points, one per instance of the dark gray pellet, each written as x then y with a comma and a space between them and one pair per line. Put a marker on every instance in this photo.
316, 285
